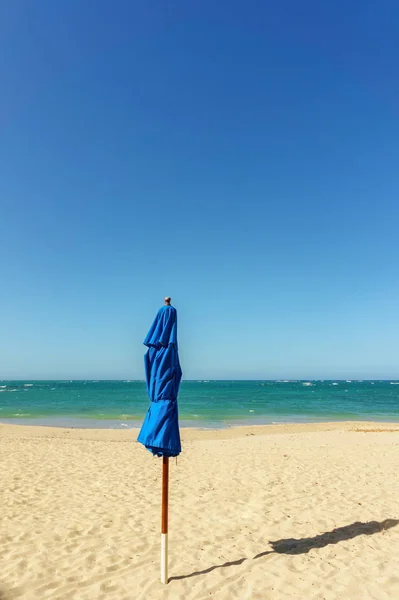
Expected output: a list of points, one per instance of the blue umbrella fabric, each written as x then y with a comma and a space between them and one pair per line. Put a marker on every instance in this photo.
160, 430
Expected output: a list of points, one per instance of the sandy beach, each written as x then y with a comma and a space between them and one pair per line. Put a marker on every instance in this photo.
290, 511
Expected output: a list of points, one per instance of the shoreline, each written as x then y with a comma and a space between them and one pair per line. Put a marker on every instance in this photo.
131, 424
196, 433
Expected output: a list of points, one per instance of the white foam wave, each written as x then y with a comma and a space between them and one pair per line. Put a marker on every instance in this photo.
28, 385
308, 383
394, 382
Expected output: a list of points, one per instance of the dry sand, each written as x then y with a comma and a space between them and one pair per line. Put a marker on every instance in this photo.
273, 512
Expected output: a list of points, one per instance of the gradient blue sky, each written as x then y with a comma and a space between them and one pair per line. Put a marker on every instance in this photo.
241, 157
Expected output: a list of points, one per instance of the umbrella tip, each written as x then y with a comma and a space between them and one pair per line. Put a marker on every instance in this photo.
168, 300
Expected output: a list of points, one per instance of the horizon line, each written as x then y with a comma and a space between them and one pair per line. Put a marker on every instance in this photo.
197, 380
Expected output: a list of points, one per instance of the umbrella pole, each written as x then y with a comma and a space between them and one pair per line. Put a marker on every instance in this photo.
164, 524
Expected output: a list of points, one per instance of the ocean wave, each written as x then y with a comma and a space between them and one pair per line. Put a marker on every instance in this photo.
22, 415
28, 385
3, 386
334, 383
394, 382
308, 383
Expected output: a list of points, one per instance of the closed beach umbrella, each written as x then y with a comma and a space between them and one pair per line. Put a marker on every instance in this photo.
160, 430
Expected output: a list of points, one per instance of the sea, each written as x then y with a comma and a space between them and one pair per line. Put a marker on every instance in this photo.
202, 404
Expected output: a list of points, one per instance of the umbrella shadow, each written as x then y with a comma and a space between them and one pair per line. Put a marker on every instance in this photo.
304, 545
340, 534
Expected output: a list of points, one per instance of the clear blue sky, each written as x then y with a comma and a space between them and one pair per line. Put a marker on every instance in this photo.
240, 157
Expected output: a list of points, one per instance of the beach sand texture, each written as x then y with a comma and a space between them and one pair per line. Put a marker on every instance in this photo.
255, 513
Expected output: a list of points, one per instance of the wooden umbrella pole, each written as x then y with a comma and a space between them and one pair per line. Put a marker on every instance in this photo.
164, 524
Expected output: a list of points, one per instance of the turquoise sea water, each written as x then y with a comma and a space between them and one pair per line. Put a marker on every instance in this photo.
201, 403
